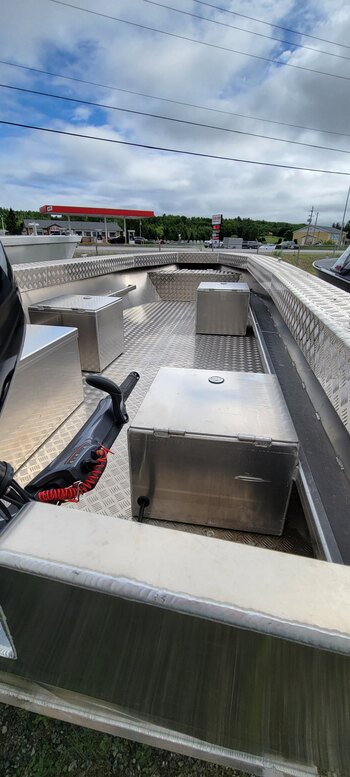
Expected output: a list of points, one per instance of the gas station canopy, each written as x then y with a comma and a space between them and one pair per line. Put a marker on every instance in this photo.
125, 214
69, 210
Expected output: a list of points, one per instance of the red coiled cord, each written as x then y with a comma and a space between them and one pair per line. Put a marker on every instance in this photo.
73, 493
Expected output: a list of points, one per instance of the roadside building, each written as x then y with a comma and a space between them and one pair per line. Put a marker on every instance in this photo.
316, 234
62, 226
88, 229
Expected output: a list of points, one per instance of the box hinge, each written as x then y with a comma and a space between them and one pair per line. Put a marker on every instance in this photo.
263, 442
169, 432
260, 442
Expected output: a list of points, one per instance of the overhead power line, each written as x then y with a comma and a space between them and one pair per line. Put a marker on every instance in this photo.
105, 106
183, 152
169, 100
242, 29
200, 42
271, 24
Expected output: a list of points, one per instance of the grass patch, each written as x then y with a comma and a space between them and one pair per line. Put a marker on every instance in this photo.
269, 239
35, 746
305, 259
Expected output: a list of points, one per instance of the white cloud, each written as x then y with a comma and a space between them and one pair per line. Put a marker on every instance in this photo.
38, 167
82, 113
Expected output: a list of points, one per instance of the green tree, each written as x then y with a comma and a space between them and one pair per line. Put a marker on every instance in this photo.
249, 229
189, 227
160, 232
11, 222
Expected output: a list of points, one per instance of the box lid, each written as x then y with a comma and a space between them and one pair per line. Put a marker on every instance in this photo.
41, 337
246, 406
223, 286
87, 302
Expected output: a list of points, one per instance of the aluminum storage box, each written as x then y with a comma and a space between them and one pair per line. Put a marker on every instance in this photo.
214, 449
222, 308
47, 387
99, 321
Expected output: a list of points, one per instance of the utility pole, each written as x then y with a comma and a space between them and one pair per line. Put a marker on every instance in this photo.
309, 222
344, 215
315, 225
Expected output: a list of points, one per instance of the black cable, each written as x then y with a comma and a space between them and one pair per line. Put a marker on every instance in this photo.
20, 491
169, 100
143, 502
173, 150
13, 500
173, 119
242, 29
271, 24
5, 512
200, 42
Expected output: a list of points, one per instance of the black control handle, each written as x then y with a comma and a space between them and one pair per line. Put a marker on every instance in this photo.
101, 429
128, 385
117, 393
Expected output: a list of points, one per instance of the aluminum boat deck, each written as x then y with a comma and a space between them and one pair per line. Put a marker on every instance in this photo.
163, 334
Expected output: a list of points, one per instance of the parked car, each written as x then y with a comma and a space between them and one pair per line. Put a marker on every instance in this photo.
217, 243
139, 240
252, 244
267, 248
287, 244
119, 239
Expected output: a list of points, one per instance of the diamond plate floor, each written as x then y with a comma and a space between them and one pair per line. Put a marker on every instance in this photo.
156, 335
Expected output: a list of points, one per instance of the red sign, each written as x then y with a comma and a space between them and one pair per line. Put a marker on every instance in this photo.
216, 219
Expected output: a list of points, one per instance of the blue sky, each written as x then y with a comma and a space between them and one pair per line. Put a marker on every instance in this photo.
37, 168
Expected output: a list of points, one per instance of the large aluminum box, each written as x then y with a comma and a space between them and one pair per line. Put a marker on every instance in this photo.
222, 308
99, 321
47, 387
217, 450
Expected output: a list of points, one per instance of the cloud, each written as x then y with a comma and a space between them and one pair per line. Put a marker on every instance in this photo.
81, 114
38, 167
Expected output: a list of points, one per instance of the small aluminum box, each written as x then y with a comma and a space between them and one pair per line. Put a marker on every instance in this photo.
47, 387
216, 450
222, 308
99, 321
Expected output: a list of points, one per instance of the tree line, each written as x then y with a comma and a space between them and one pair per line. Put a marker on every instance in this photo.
170, 227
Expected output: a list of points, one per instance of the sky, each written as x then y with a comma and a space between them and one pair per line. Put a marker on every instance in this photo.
38, 168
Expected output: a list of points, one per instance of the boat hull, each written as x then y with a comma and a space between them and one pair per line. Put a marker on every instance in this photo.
21, 249
325, 272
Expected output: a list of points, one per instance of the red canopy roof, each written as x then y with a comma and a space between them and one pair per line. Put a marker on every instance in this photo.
110, 212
